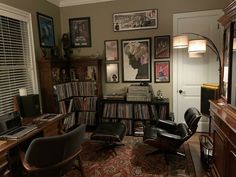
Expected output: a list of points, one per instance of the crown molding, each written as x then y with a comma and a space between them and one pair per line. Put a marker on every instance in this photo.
65, 3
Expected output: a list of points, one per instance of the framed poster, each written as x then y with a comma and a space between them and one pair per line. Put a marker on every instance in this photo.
111, 50
162, 71
162, 47
136, 20
112, 73
46, 31
136, 60
80, 32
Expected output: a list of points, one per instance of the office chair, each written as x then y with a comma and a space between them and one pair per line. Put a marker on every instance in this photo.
167, 136
53, 156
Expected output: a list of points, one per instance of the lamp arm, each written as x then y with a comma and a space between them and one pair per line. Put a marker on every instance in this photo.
212, 47
215, 51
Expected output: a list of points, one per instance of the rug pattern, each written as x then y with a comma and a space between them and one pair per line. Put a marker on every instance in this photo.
131, 161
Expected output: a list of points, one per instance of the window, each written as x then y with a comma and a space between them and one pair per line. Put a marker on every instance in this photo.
17, 60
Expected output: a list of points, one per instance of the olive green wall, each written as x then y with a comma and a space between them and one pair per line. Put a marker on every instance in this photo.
44, 7
102, 29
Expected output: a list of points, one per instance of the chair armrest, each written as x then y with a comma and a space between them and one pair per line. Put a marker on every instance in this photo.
169, 136
166, 124
32, 169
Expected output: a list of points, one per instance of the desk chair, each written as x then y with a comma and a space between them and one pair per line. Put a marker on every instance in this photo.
53, 156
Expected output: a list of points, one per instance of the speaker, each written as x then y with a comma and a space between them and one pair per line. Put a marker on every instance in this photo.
208, 93
29, 105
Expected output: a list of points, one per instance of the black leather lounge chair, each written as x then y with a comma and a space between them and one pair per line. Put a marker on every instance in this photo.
167, 136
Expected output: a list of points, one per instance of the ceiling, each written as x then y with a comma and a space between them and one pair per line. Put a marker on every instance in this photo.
64, 3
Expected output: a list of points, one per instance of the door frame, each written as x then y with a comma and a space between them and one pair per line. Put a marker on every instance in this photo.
176, 17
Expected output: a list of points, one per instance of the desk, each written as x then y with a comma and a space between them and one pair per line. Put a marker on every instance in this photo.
9, 159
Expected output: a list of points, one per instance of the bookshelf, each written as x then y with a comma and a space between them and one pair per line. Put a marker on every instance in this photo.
134, 114
71, 86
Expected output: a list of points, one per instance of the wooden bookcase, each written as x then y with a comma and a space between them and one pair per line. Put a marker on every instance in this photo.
71, 86
135, 114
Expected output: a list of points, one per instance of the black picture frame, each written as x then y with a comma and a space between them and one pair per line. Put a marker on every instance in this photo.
162, 71
162, 47
80, 32
136, 59
135, 20
111, 50
112, 73
46, 31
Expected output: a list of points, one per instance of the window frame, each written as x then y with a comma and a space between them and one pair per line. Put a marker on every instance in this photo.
21, 15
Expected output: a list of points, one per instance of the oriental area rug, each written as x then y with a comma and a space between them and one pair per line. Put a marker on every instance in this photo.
131, 161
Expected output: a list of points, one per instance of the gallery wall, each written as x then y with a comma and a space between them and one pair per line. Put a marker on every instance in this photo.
102, 29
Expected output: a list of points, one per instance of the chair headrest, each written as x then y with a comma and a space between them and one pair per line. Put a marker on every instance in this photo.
192, 117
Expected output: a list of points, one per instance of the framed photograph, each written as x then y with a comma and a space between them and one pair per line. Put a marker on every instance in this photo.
111, 50
162, 71
144, 19
112, 73
80, 32
46, 31
136, 59
162, 46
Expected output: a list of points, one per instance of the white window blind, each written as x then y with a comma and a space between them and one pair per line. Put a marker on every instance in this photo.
16, 67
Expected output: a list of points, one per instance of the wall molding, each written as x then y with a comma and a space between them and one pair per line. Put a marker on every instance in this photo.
65, 3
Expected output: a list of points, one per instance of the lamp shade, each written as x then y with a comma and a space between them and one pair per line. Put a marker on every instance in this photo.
195, 55
197, 46
22, 92
180, 41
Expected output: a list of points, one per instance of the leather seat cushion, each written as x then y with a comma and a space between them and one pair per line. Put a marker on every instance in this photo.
109, 131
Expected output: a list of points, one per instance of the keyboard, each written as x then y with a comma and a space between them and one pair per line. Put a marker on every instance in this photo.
16, 130
19, 132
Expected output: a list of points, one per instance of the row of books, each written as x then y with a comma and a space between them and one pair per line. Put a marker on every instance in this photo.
66, 90
162, 111
141, 111
130, 111
88, 118
77, 104
69, 121
85, 103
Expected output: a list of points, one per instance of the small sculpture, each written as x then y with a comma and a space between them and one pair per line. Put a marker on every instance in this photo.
66, 45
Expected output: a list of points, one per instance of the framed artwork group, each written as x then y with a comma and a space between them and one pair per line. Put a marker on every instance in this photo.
136, 59
136, 53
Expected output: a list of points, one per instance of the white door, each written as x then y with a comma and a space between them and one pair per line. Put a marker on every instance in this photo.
190, 73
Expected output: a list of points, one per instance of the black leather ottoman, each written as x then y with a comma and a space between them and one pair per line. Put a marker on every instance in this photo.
110, 133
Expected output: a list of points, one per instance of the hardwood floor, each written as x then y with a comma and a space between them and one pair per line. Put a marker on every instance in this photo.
194, 145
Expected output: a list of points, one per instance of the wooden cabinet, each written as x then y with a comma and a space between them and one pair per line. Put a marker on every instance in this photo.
224, 138
135, 114
223, 111
71, 86
232, 161
228, 80
4, 165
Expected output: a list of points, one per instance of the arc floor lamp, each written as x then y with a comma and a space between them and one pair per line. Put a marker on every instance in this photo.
197, 47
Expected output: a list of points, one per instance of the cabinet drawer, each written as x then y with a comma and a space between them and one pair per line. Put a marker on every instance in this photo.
4, 165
